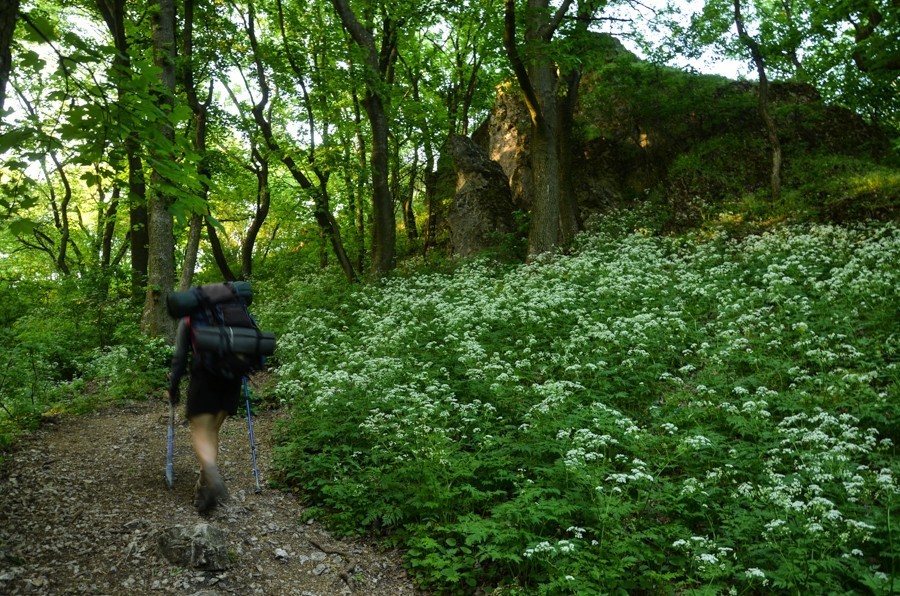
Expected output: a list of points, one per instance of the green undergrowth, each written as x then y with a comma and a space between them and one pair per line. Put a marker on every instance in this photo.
698, 414
70, 346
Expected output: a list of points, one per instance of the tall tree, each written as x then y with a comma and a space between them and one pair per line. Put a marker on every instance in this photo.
113, 13
848, 50
538, 76
377, 66
852, 51
306, 71
260, 168
200, 111
571, 69
322, 211
161, 267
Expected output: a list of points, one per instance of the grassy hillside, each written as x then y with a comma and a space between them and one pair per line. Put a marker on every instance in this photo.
696, 146
648, 413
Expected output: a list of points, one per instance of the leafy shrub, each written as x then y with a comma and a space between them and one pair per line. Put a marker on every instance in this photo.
645, 414
128, 371
703, 181
69, 345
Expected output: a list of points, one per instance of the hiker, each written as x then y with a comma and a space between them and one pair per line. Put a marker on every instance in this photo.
225, 346
211, 398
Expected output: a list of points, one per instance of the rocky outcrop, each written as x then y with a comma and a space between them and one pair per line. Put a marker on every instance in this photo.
504, 136
482, 209
691, 141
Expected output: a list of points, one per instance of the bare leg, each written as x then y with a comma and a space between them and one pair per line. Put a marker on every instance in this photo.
205, 439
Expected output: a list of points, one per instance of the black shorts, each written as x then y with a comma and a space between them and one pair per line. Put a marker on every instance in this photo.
211, 394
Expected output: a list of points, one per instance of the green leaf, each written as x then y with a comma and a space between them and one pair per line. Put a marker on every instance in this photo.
39, 29
90, 178
14, 138
31, 59
21, 226
180, 113
215, 223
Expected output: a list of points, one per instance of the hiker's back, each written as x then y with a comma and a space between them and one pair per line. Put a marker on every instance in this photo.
225, 338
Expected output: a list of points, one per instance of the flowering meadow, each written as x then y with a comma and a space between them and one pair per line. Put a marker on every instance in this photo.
700, 414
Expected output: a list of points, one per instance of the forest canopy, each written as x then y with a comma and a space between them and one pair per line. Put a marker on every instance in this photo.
282, 132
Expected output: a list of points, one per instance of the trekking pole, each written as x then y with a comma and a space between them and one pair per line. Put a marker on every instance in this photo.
252, 442
170, 452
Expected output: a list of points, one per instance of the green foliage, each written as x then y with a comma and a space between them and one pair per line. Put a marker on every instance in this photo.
847, 50
693, 146
841, 188
71, 345
647, 414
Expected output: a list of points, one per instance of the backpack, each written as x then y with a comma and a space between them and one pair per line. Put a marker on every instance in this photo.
224, 335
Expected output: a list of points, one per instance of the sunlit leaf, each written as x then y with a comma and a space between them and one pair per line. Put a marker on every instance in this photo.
39, 29
30, 59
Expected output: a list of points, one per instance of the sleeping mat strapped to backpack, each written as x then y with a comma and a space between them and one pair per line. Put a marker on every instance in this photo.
223, 333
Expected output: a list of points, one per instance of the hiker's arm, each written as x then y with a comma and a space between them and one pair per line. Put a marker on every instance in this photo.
179, 360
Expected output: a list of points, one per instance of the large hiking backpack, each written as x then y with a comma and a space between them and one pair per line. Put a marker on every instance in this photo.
225, 337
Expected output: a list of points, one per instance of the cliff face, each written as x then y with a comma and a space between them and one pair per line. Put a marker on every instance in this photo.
692, 142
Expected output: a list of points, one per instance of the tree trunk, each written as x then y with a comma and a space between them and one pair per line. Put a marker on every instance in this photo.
106, 221
539, 82
543, 234
201, 117
360, 211
195, 231
800, 73
409, 214
384, 232
430, 180
768, 121
113, 12
263, 202
63, 222
161, 267
469, 94
9, 14
570, 222
139, 220
864, 27
408, 192
384, 225
323, 254
109, 229
218, 253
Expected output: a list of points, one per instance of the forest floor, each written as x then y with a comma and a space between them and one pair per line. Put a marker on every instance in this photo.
83, 503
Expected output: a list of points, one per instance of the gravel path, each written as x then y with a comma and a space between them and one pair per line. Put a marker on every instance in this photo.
83, 503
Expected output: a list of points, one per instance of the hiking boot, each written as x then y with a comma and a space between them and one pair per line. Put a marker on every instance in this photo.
210, 490
201, 495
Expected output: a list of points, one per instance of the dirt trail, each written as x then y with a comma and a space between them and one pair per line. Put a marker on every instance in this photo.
83, 502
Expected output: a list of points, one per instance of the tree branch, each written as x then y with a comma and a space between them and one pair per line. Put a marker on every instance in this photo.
549, 28
509, 42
